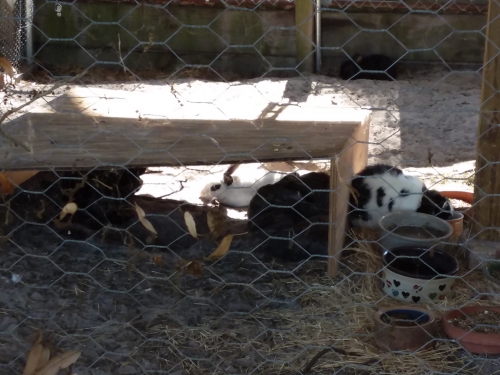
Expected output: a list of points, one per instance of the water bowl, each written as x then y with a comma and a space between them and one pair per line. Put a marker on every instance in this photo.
412, 229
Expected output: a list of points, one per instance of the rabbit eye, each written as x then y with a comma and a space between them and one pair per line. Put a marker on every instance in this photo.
215, 187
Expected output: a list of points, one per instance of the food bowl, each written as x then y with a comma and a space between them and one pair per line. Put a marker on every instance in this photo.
474, 342
412, 229
464, 196
417, 275
457, 223
404, 328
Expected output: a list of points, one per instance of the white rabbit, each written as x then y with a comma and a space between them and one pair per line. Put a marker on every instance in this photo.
238, 191
380, 189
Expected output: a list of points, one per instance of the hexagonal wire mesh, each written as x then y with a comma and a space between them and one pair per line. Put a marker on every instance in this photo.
134, 116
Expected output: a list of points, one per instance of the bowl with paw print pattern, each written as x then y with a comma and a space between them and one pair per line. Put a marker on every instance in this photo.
416, 275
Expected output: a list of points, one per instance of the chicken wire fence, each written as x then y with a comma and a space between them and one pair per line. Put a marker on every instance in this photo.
117, 259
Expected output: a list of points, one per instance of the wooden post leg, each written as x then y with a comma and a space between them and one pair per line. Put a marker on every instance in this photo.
487, 180
334, 246
304, 20
351, 160
340, 175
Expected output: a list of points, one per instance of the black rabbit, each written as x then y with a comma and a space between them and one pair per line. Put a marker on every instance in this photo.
377, 63
296, 208
293, 210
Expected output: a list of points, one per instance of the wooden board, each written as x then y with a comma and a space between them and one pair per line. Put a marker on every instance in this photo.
351, 160
93, 128
487, 180
304, 36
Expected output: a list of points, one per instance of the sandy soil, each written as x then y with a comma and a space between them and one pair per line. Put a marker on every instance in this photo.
132, 314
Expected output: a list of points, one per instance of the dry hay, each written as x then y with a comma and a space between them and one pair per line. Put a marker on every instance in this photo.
331, 331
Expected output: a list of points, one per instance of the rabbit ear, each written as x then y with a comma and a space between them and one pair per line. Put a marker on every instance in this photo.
231, 169
228, 180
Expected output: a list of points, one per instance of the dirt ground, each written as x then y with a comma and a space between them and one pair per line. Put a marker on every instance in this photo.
135, 304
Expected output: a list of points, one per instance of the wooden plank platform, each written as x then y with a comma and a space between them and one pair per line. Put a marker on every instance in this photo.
86, 128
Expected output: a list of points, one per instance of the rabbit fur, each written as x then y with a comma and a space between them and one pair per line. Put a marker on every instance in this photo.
381, 189
300, 221
379, 63
237, 191
298, 214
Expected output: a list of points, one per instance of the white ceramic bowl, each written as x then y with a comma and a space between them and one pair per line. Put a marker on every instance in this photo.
413, 275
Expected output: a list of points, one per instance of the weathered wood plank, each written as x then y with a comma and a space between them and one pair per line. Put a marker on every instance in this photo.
304, 36
352, 159
76, 131
487, 179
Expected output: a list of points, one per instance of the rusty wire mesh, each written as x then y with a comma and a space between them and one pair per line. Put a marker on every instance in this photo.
81, 264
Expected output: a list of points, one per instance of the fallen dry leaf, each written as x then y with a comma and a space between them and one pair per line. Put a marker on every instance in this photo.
192, 267
222, 249
6, 187
36, 356
39, 338
216, 221
33, 359
190, 224
211, 221
142, 218
158, 260
7, 67
44, 359
18, 177
69, 209
60, 362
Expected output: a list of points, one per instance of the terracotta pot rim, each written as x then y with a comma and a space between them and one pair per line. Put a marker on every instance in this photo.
464, 196
384, 310
458, 218
471, 336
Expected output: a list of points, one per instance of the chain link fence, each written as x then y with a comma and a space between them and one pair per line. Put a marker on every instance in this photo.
177, 176
13, 30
